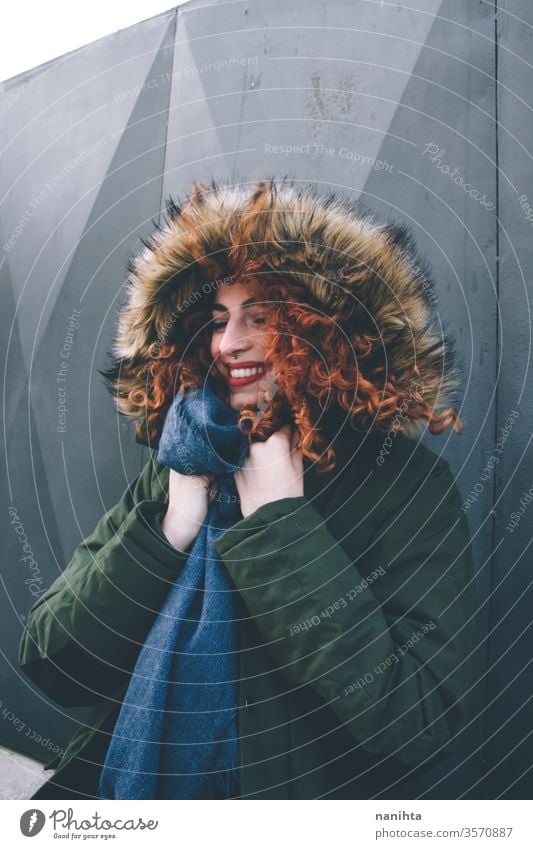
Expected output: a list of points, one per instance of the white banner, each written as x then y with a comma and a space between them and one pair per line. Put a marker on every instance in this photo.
345, 823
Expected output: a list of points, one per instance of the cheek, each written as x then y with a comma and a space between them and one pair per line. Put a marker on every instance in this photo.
264, 340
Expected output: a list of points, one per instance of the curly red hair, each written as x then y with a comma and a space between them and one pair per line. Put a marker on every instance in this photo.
319, 365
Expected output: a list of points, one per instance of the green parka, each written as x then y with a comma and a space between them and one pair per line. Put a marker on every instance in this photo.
355, 659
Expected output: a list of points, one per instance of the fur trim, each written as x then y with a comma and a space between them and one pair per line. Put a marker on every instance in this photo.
341, 253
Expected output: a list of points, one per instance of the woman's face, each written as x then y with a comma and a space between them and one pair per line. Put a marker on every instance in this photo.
238, 329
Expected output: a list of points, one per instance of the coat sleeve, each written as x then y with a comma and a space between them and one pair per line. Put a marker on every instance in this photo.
83, 635
383, 637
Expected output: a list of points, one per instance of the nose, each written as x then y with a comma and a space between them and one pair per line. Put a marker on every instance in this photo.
233, 338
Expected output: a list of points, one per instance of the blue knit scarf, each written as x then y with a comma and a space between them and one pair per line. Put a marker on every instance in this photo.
176, 734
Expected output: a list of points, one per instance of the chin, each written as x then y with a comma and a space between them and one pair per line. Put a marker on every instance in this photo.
237, 400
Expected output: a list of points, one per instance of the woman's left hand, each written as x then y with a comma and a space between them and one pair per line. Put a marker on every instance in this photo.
272, 470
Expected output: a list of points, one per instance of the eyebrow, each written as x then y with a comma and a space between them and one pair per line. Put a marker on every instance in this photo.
222, 308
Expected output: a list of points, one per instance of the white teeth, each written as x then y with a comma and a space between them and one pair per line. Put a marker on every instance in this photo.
245, 372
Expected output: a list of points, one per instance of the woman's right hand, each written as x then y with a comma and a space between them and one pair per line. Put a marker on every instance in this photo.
188, 504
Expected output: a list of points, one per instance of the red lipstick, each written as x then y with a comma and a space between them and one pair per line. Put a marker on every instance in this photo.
235, 382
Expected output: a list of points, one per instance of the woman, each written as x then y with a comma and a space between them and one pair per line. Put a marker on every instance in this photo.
348, 551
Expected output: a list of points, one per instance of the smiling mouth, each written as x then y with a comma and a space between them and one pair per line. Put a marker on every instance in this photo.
243, 377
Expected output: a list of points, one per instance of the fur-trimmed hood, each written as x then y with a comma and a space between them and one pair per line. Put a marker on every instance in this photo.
346, 258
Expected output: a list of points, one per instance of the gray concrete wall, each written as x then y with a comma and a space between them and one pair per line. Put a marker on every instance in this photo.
388, 103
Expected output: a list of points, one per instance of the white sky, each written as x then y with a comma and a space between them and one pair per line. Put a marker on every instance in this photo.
35, 31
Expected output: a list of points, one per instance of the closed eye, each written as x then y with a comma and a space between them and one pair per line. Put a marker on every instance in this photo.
217, 325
